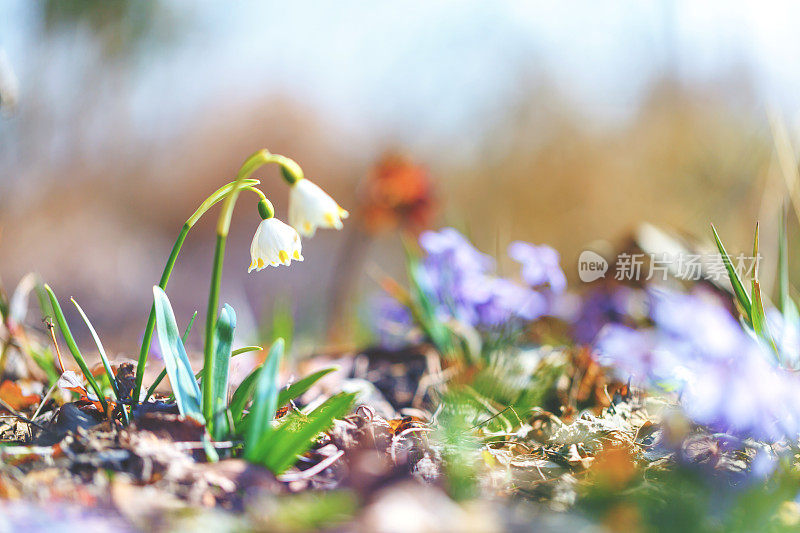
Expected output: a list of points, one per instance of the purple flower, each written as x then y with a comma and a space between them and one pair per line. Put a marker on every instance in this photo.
786, 332
627, 349
461, 283
727, 379
392, 322
608, 304
509, 301
539, 265
708, 328
449, 245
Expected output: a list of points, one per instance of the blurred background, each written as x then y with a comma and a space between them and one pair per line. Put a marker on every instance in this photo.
559, 123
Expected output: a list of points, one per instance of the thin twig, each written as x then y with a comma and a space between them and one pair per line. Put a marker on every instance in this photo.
479, 424
314, 470
44, 400
52, 331
20, 416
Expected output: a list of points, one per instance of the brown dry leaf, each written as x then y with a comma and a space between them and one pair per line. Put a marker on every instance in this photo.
614, 467
71, 381
399, 425
125, 374
12, 394
171, 427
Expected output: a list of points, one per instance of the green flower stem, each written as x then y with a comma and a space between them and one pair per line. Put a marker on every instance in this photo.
211, 319
223, 227
216, 197
257, 191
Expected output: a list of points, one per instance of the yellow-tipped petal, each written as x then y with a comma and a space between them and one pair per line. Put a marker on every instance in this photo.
260, 263
296, 255
283, 256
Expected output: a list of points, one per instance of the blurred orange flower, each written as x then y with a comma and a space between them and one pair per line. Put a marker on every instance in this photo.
397, 194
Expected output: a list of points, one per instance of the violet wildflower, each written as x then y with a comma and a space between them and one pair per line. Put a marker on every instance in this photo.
726, 378
450, 245
392, 322
509, 300
540, 265
454, 274
708, 329
628, 350
460, 281
786, 332
608, 304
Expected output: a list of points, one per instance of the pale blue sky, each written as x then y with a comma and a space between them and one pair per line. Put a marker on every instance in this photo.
426, 69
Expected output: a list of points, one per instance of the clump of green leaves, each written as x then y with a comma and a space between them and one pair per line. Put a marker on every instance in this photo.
274, 447
277, 447
751, 307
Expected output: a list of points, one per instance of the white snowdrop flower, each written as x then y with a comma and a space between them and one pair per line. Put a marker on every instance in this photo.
310, 208
275, 243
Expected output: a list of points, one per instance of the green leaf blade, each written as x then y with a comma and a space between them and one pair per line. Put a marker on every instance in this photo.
301, 386
736, 282
226, 324
163, 373
73, 347
242, 395
179, 370
103, 357
292, 439
265, 402
759, 320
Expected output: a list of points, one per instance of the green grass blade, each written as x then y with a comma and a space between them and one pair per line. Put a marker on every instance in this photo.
296, 435
103, 357
760, 320
163, 373
220, 369
265, 402
736, 282
100, 349
188, 328
242, 395
245, 349
299, 387
179, 370
73, 348
155, 384
424, 311
758, 317
293, 391
783, 264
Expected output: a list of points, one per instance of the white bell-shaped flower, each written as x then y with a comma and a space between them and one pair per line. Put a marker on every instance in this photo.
275, 243
310, 208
